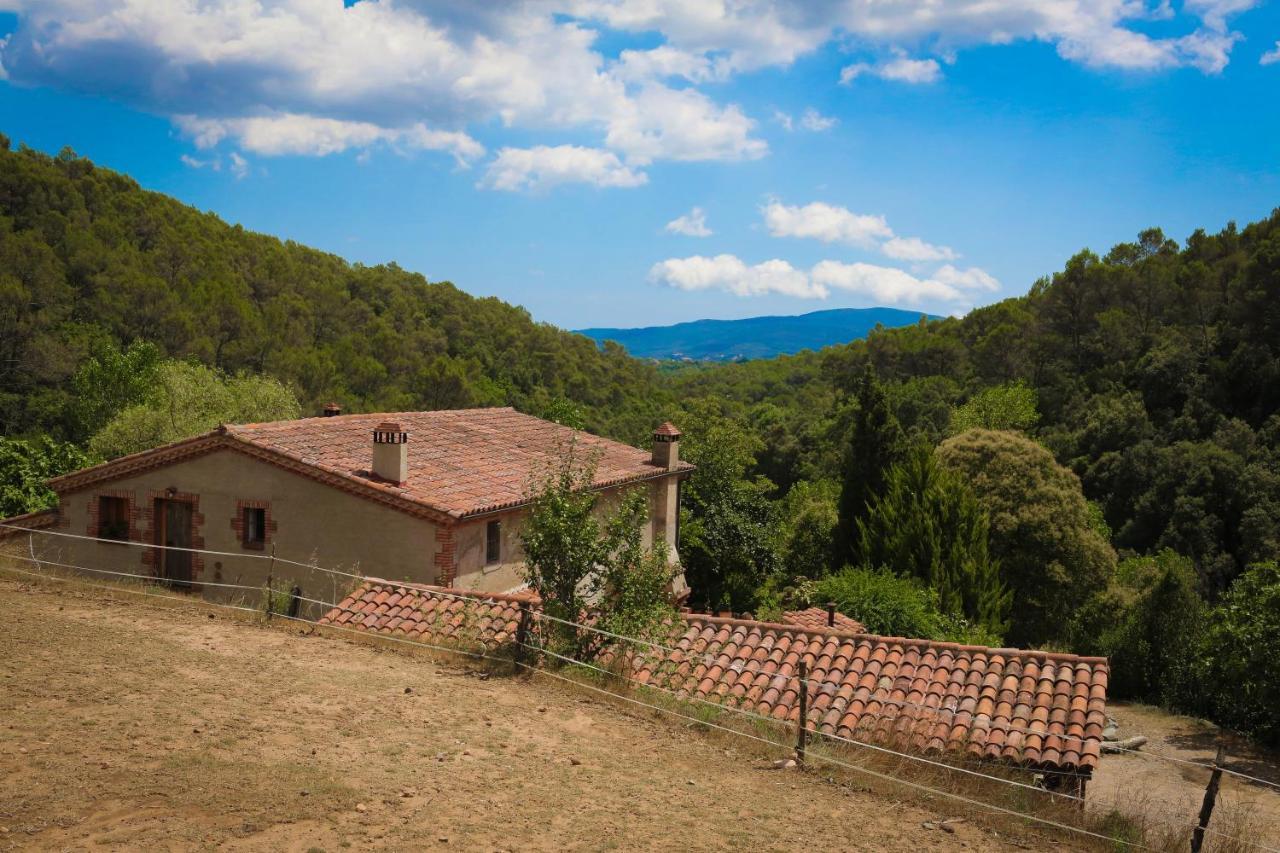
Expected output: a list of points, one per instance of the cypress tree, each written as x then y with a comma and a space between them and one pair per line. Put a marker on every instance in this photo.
875, 444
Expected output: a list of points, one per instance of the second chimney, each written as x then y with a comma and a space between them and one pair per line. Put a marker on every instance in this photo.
330, 410
666, 446
390, 453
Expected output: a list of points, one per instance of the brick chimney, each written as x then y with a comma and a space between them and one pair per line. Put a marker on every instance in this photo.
666, 446
390, 453
330, 410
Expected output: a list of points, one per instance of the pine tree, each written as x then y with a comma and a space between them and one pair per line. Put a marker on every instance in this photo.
876, 443
928, 524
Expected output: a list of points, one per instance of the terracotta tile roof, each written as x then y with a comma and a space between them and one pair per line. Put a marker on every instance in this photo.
1033, 708
421, 612
816, 617
28, 521
461, 463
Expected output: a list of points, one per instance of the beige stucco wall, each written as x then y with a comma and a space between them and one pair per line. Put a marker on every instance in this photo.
508, 573
315, 523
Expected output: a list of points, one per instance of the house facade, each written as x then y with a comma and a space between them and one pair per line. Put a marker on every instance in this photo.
426, 497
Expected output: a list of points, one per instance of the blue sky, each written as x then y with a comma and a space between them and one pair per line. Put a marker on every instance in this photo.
610, 164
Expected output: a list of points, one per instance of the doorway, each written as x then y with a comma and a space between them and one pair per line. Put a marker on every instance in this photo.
174, 532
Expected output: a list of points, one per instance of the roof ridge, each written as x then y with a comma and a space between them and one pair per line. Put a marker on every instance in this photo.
883, 638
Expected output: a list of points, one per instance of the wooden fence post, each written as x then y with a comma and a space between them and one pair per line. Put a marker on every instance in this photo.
802, 729
271, 570
1210, 797
522, 634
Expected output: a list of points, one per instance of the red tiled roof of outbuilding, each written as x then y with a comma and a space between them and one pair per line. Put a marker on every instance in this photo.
1032, 708
816, 617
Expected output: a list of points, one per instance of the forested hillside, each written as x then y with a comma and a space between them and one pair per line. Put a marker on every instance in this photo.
1094, 466
89, 260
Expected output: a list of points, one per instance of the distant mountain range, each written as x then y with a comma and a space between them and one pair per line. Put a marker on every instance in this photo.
754, 337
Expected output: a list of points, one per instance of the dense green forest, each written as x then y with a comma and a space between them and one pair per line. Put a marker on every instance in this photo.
1093, 466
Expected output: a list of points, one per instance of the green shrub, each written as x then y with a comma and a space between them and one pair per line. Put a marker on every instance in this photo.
885, 603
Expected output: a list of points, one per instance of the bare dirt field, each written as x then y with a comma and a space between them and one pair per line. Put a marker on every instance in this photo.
1246, 807
126, 724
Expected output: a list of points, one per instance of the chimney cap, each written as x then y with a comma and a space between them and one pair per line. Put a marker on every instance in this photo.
331, 409
389, 432
667, 432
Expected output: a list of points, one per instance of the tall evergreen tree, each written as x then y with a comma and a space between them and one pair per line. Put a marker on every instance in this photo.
929, 525
875, 444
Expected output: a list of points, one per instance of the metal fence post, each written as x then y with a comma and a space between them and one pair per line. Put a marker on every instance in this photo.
802, 728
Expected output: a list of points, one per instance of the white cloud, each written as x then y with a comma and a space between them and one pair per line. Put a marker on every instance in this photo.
681, 124
303, 134
196, 163
816, 121
784, 119
728, 273
916, 250
1271, 56
901, 68
545, 166
880, 284
316, 76
239, 166
825, 222
692, 224
972, 278
884, 285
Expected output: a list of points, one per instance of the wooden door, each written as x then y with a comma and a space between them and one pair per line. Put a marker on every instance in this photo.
175, 533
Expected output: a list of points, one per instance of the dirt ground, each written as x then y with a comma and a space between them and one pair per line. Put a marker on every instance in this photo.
1244, 808
127, 724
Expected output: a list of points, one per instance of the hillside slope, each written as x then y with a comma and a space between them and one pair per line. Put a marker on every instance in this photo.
87, 256
149, 727
754, 337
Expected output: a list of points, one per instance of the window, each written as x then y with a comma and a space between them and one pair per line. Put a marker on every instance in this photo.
493, 543
255, 527
113, 518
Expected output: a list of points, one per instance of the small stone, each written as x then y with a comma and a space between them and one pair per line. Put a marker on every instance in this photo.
304, 793
690, 782
408, 690
466, 752
211, 616
361, 807
313, 750
409, 792
22, 749
444, 839
195, 731
574, 762
440, 756
542, 709
784, 764
928, 824
946, 827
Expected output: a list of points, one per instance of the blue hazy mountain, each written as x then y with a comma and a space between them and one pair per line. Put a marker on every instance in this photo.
754, 337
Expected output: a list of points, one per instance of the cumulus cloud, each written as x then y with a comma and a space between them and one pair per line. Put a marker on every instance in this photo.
916, 250
834, 224
825, 222
239, 166
728, 273
303, 77
545, 166
883, 285
692, 224
901, 69
303, 134
1271, 56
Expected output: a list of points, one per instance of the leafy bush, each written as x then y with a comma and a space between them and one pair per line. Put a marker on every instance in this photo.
1041, 530
1240, 655
882, 601
1011, 406
25, 466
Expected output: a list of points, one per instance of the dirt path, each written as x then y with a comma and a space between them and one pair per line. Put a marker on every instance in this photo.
129, 725
1244, 808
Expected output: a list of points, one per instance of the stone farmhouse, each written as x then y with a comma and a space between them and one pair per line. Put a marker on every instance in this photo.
426, 497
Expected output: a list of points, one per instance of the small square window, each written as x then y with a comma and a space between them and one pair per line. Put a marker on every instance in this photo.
255, 527
493, 543
113, 518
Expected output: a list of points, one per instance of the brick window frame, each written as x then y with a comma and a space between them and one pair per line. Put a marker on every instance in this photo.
151, 556
132, 513
268, 524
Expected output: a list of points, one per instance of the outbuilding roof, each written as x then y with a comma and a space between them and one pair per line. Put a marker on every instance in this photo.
461, 463
1038, 709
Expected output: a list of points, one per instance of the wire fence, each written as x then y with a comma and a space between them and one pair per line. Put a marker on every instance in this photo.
531, 638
